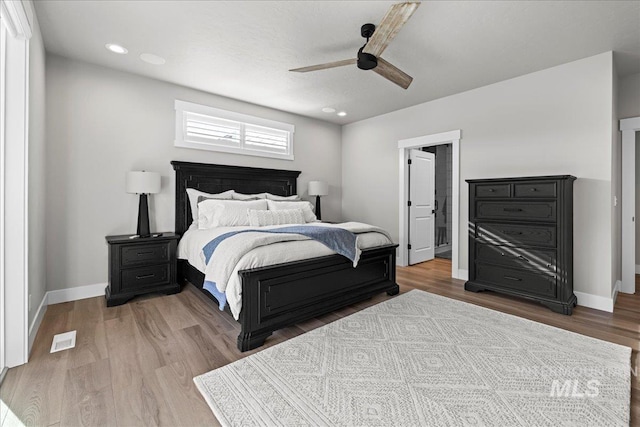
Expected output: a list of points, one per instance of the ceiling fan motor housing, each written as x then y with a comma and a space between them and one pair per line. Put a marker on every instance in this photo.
366, 61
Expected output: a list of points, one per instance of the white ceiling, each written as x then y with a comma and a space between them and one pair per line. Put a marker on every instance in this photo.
243, 49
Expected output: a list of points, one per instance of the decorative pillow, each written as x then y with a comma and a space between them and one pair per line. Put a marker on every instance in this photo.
285, 216
240, 196
226, 213
193, 195
307, 208
275, 197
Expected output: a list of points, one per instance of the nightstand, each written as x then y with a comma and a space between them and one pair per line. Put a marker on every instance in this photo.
140, 266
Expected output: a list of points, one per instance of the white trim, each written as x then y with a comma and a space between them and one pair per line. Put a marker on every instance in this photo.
614, 292
637, 268
3, 39
453, 138
74, 294
594, 301
629, 127
37, 321
15, 18
463, 274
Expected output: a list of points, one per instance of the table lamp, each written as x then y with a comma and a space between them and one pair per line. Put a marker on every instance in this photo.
318, 188
143, 183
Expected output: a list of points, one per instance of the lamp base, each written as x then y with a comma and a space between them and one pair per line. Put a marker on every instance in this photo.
143, 217
318, 212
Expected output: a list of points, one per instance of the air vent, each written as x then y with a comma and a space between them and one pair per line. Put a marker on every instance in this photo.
63, 341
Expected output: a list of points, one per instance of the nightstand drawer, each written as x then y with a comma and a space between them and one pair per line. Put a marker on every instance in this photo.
142, 277
144, 254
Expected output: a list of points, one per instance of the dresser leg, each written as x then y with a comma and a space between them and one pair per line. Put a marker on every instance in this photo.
468, 286
393, 291
562, 307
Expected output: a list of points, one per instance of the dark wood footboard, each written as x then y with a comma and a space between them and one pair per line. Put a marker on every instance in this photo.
282, 295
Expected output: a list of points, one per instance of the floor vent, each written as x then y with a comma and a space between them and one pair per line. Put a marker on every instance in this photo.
63, 341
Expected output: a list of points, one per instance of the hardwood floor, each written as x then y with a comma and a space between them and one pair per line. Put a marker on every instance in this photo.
134, 364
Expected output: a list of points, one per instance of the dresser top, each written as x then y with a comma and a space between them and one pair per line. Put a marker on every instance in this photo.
524, 178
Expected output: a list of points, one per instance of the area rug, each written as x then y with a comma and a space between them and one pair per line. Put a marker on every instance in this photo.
425, 360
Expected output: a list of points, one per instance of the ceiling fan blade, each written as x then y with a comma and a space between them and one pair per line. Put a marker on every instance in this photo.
396, 17
325, 66
393, 73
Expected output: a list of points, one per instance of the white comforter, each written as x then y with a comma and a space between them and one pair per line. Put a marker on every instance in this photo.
191, 244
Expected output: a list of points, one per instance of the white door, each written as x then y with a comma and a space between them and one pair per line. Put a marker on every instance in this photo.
422, 177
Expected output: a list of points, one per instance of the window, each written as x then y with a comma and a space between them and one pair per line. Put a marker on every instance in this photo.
208, 128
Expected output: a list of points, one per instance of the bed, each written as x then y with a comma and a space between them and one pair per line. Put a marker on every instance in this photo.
277, 296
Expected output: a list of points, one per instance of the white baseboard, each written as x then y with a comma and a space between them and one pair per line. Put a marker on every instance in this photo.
73, 294
59, 296
462, 274
595, 301
637, 269
37, 320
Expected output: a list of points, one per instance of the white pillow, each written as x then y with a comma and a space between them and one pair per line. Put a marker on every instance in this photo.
240, 196
193, 195
285, 216
275, 197
226, 213
307, 208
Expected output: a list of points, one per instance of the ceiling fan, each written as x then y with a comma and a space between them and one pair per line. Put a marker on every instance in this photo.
377, 41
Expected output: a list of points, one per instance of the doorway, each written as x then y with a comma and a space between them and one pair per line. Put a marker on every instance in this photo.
451, 138
630, 130
442, 195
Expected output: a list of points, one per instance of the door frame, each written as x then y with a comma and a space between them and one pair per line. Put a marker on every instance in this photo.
629, 127
404, 146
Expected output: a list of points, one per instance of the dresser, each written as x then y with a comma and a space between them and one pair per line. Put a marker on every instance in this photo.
521, 238
141, 266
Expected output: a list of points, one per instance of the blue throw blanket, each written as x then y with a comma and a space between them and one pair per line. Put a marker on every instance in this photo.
338, 240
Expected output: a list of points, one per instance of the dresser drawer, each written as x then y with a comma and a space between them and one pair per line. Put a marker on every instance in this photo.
516, 235
539, 284
532, 259
535, 189
144, 254
143, 277
536, 211
493, 190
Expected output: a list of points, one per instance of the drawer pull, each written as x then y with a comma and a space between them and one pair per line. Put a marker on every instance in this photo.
491, 190
523, 258
533, 189
512, 209
511, 232
513, 278
145, 276
145, 253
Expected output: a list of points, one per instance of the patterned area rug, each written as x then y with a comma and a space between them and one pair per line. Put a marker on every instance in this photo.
424, 360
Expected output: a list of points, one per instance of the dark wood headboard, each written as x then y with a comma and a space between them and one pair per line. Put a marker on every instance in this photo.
218, 178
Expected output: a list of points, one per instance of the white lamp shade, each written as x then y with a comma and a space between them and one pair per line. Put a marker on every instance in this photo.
318, 188
142, 182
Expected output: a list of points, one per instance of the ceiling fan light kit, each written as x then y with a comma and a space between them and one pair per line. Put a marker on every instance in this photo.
378, 39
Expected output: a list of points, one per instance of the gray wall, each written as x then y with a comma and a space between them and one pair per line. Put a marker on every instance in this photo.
102, 123
555, 121
37, 168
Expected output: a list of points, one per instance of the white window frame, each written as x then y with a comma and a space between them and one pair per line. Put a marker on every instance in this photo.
181, 141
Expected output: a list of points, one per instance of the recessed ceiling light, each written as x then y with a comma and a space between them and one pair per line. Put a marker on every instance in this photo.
328, 110
342, 114
116, 48
150, 58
